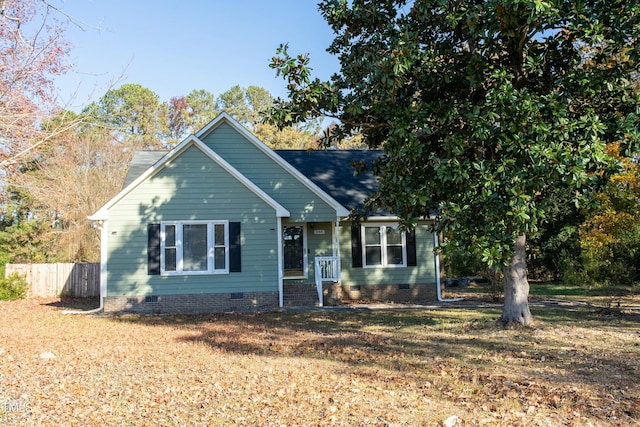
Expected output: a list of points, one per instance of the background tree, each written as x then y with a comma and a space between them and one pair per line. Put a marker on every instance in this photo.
189, 114
610, 236
555, 247
178, 118
248, 106
259, 100
32, 52
481, 107
53, 194
134, 115
202, 109
289, 138
348, 142
234, 103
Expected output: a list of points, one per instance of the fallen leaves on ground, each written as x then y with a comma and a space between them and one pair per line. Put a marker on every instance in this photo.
340, 367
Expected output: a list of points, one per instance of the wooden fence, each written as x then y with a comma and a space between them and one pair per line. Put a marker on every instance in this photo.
53, 280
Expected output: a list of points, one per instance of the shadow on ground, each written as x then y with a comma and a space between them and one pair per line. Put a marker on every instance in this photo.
72, 303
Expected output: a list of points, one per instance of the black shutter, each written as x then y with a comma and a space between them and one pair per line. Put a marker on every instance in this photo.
235, 255
412, 259
356, 247
153, 249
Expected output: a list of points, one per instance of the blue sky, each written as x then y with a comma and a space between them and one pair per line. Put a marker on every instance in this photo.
174, 47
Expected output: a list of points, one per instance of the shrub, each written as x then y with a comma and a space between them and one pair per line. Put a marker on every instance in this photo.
462, 262
13, 287
610, 249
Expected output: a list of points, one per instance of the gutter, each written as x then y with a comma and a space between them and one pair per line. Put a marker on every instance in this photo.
436, 243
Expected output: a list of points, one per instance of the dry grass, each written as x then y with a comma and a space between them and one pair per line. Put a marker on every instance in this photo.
341, 367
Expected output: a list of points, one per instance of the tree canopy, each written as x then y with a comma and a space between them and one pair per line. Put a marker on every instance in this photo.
133, 114
32, 52
482, 108
189, 114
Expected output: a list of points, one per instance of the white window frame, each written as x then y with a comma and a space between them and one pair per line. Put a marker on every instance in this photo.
383, 246
179, 228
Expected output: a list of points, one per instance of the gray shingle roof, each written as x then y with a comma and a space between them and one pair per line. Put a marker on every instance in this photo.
331, 170
141, 161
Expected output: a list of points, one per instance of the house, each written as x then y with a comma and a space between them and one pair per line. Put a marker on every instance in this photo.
222, 222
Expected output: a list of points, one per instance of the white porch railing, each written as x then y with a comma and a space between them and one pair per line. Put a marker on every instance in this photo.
327, 268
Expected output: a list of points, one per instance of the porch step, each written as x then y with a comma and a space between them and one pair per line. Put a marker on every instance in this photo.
300, 295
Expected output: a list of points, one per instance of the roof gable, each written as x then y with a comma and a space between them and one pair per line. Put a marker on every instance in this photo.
327, 173
331, 170
160, 160
274, 157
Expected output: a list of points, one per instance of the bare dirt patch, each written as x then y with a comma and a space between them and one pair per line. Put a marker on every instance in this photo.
391, 367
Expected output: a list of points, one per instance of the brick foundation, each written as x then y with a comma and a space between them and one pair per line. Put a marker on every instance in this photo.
305, 294
300, 295
295, 295
410, 292
193, 303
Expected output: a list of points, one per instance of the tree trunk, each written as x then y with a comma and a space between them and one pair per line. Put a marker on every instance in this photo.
516, 287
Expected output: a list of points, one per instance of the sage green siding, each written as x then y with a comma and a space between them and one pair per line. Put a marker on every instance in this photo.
191, 187
424, 272
303, 204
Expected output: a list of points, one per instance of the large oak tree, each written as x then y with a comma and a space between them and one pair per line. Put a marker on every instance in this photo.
482, 107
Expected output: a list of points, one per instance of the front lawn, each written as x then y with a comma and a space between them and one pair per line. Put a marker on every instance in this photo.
602, 297
350, 367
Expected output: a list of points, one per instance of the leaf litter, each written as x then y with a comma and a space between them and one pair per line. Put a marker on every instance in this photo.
349, 367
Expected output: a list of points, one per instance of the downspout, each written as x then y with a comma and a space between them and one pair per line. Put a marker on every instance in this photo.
102, 226
336, 251
436, 243
280, 265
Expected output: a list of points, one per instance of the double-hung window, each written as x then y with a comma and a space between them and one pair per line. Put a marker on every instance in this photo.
384, 245
194, 247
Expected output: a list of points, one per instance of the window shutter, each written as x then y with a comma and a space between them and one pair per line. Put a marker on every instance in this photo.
153, 249
412, 259
235, 255
356, 247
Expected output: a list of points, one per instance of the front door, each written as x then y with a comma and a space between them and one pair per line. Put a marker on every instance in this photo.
294, 251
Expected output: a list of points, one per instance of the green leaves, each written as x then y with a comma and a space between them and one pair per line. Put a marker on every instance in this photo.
482, 108
133, 113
